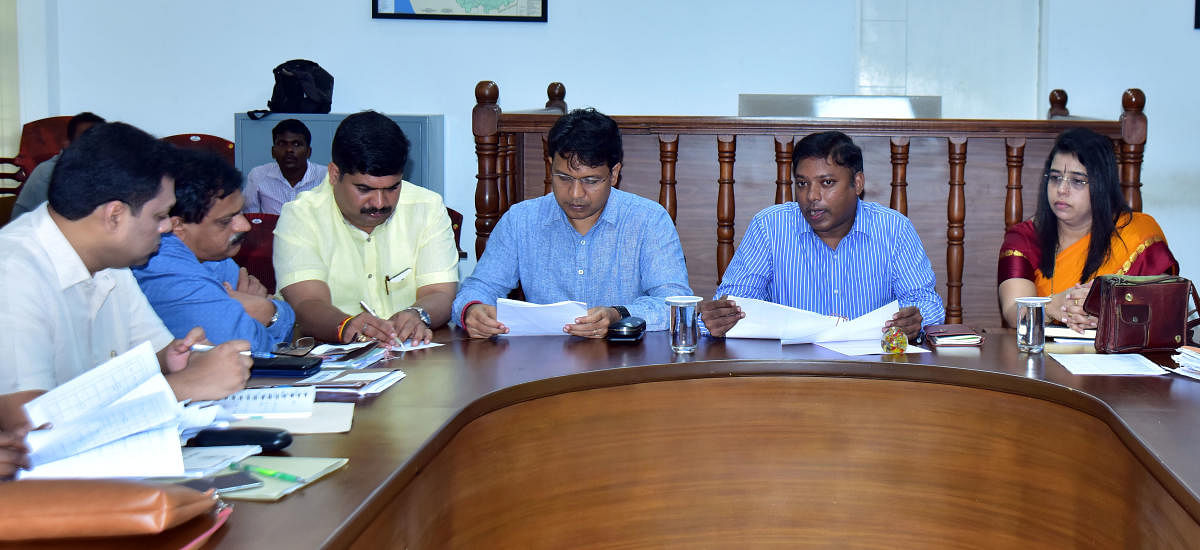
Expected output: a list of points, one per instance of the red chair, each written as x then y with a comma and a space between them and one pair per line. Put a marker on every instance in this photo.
256, 251
204, 142
40, 140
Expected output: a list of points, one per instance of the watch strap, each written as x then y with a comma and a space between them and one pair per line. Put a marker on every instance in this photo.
622, 310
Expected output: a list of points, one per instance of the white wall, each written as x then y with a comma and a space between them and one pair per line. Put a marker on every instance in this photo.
1105, 46
172, 67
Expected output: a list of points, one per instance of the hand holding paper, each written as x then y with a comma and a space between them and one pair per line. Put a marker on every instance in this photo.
526, 319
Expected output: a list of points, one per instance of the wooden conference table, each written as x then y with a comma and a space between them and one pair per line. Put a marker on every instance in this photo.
563, 442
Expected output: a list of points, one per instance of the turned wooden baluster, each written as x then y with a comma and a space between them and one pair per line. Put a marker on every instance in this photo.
899, 199
516, 185
784, 146
485, 119
504, 166
1058, 104
1133, 143
668, 155
726, 149
549, 163
555, 93
956, 214
1014, 155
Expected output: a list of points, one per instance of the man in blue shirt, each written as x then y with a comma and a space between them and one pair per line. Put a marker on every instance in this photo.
829, 252
193, 280
615, 251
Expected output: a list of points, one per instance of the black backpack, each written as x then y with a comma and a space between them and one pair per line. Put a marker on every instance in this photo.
301, 86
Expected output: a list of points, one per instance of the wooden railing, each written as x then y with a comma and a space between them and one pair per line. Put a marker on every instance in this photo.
686, 154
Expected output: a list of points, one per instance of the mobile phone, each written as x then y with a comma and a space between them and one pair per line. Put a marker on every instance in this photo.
224, 483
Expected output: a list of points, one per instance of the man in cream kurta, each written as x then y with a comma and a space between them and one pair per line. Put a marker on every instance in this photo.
366, 235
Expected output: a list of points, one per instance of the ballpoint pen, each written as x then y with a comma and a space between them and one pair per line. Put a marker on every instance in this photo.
247, 353
268, 472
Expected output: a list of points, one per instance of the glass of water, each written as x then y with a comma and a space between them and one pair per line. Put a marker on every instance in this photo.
684, 330
1031, 323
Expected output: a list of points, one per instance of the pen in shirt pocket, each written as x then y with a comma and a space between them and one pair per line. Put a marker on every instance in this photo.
387, 281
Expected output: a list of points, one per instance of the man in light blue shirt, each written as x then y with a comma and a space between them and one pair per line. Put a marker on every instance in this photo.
829, 252
192, 280
615, 251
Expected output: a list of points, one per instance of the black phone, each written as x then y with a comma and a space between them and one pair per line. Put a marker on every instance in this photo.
225, 483
270, 439
295, 367
629, 329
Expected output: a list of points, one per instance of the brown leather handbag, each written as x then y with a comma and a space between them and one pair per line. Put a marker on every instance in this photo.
1141, 313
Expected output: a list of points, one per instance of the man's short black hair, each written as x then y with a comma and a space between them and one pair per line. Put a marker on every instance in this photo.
370, 143
201, 179
110, 162
834, 146
81, 118
294, 126
586, 136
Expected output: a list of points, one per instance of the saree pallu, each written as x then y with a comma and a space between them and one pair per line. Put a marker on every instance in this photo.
1138, 247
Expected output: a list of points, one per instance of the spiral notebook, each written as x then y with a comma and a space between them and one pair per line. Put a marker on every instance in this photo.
285, 402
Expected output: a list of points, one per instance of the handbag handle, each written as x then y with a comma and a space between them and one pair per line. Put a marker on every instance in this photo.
1191, 325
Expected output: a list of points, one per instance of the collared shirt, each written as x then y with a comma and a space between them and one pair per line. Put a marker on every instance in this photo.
267, 190
384, 268
781, 259
631, 257
56, 319
36, 189
187, 293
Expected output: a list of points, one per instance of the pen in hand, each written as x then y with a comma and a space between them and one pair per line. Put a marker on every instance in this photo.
247, 353
268, 472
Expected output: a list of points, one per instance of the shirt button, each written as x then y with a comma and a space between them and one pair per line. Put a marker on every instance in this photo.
370, 276
582, 242
580, 272
835, 291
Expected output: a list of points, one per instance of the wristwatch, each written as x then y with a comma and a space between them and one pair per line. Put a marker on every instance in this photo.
621, 310
274, 316
424, 315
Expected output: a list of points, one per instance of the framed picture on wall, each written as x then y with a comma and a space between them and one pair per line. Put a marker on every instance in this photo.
477, 10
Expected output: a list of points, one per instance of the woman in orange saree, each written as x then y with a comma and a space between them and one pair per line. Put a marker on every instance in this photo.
1083, 221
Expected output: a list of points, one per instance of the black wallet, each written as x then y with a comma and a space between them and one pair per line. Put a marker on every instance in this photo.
285, 366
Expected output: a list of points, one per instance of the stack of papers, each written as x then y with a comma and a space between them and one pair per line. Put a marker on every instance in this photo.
526, 319
280, 402
210, 461
1067, 336
340, 385
859, 336
1188, 359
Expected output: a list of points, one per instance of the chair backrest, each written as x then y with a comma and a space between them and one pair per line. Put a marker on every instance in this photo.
40, 140
456, 221
256, 251
204, 142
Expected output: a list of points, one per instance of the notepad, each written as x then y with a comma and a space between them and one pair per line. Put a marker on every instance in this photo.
309, 468
327, 418
285, 402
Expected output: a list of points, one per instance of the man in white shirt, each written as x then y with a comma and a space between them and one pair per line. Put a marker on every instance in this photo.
271, 185
69, 302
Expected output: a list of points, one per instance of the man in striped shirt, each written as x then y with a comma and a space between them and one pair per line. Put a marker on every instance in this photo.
829, 252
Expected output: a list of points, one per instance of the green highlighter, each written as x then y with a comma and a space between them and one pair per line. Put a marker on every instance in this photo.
268, 473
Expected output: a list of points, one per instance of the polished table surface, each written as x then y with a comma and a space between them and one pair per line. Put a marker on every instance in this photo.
448, 386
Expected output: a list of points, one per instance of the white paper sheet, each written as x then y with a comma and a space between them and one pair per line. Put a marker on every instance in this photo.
327, 418
864, 347
95, 388
1129, 364
796, 326
153, 453
526, 319
868, 326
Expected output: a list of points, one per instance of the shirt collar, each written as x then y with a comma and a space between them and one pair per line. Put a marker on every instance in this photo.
67, 263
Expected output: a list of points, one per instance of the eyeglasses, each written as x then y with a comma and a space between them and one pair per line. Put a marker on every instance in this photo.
588, 181
1056, 180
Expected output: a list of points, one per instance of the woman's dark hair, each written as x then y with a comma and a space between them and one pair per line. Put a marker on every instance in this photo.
1095, 153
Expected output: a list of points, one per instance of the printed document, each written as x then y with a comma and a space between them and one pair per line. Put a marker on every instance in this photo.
526, 319
790, 325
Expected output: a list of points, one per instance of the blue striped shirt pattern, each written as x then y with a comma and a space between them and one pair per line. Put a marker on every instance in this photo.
631, 257
881, 259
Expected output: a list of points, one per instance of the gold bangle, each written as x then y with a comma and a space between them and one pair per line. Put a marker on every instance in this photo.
342, 327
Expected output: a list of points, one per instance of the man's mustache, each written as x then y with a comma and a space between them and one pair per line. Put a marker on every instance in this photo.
237, 239
375, 211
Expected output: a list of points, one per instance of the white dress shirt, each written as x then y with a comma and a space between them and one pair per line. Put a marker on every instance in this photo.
56, 319
267, 190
